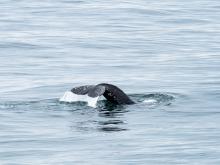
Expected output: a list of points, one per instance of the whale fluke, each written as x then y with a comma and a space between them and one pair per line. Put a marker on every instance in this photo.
82, 90
111, 92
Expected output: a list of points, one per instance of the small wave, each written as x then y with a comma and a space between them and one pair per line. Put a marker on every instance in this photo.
153, 98
73, 103
21, 45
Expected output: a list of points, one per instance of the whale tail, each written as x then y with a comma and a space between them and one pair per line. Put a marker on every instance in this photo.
111, 92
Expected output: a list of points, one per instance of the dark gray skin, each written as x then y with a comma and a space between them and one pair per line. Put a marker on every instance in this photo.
111, 92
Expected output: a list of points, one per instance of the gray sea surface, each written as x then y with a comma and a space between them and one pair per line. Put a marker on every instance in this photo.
166, 51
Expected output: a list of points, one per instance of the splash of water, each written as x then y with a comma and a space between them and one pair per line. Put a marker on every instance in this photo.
71, 97
150, 101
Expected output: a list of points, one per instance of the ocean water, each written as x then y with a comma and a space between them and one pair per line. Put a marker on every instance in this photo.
164, 54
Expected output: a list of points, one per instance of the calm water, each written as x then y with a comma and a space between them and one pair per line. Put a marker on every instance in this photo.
168, 51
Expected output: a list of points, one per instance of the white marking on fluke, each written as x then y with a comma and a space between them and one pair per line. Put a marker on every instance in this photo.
71, 97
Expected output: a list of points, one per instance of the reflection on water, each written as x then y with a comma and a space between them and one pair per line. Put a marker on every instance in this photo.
113, 115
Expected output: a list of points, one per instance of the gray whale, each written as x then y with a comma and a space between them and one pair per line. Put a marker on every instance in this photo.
111, 92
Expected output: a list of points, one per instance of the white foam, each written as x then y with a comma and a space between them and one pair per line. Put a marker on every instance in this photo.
71, 97
150, 101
